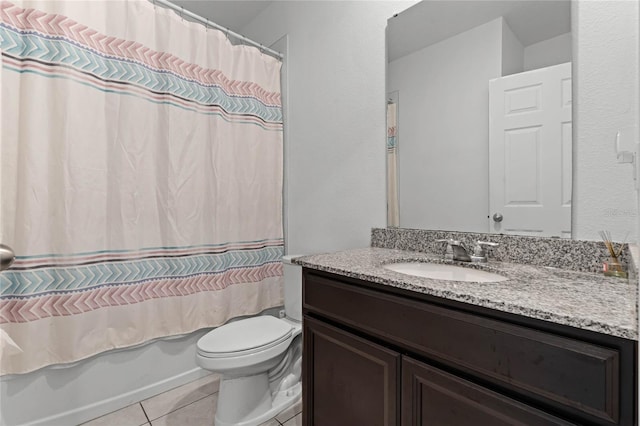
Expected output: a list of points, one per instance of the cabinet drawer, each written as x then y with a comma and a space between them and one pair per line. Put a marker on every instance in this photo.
561, 372
433, 397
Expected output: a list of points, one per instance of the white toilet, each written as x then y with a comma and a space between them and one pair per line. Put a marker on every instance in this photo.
259, 359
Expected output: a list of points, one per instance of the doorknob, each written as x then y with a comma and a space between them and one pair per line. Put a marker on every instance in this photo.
6, 257
497, 217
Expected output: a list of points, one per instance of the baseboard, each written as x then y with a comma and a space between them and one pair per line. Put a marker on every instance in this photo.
83, 414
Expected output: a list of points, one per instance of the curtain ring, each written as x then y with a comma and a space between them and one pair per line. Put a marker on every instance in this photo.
182, 13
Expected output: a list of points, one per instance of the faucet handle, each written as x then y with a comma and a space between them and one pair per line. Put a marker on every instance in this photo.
479, 252
487, 243
449, 241
448, 255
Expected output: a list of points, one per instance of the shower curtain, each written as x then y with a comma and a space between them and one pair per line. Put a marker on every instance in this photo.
393, 210
140, 178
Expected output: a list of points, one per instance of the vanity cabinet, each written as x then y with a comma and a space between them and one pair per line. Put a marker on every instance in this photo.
380, 355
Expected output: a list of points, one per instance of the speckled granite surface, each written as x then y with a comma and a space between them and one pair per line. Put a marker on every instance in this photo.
584, 300
634, 264
575, 255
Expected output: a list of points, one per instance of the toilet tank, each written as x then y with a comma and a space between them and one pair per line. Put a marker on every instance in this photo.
292, 288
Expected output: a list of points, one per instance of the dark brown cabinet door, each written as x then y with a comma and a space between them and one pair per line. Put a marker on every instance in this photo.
431, 397
348, 380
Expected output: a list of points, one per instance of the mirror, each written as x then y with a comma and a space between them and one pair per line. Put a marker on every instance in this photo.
479, 117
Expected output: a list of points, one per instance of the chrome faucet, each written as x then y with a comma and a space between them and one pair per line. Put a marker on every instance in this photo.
455, 250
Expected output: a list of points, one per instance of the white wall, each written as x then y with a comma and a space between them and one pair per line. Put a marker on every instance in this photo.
605, 54
336, 132
512, 51
554, 51
444, 137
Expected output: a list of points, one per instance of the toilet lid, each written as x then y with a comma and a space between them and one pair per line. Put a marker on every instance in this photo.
245, 335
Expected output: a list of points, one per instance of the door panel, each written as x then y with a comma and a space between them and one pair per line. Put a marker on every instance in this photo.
431, 397
349, 380
530, 152
522, 178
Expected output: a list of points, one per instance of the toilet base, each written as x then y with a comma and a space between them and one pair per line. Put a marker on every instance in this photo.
252, 392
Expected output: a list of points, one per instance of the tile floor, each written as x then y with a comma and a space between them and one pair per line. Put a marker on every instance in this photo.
192, 404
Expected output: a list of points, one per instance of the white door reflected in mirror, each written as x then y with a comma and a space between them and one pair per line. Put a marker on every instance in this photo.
530, 152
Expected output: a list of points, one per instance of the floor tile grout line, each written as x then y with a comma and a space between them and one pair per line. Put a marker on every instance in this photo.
173, 389
289, 418
218, 388
178, 408
184, 406
286, 420
145, 412
149, 420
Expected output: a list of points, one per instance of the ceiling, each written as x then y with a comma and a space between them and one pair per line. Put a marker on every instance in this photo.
431, 21
234, 15
423, 24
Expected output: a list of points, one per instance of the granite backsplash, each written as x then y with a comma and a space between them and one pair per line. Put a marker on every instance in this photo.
576, 255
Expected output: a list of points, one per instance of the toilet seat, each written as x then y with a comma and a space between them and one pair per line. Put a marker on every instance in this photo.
244, 337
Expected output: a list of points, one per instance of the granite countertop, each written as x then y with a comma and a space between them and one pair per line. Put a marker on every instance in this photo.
585, 300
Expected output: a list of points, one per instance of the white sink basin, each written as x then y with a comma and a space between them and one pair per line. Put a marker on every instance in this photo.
438, 271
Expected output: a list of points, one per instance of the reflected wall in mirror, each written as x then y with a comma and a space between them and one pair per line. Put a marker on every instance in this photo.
482, 95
